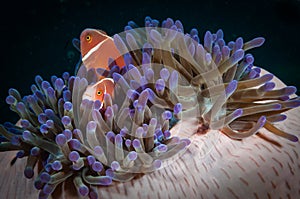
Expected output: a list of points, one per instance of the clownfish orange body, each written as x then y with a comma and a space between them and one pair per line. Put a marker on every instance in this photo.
96, 49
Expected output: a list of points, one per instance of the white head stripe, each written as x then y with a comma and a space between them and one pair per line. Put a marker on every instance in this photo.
95, 48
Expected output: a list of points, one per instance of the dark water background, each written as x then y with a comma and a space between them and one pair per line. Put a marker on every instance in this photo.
36, 35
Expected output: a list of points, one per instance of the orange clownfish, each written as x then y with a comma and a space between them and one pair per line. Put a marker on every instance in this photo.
96, 48
97, 90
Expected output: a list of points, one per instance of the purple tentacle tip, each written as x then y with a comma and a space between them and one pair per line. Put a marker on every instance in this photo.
225, 51
60, 139
45, 85
27, 136
45, 177
66, 120
139, 132
157, 164
136, 143
93, 194
48, 189
50, 123
28, 172
109, 112
277, 106
75, 144
116, 77
118, 139
68, 106
149, 74
268, 86
97, 104
25, 123
20, 154
91, 159
289, 90
67, 95
74, 156
49, 113
128, 143
35, 151
38, 79
56, 165
238, 55
162, 148
238, 112
249, 58
68, 134
44, 129
160, 85
167, 115
146, 58
91, 126
257, 41
177, 108
110, 136
97, 166
10, 100
115, 166
167, 134
65, 75
239, 43
294, 139
261, 121
164, 74
59, 84
98, 150
21, 107
15, 140
193, 32
231, 87
107, 180
207, 39
132, 155
123, 132
143, 98
42, 118
186, 141
83, 190
38, 184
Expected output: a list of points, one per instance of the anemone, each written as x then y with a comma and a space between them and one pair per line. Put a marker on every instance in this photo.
168, 76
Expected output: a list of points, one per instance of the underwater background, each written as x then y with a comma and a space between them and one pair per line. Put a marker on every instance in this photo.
36, 36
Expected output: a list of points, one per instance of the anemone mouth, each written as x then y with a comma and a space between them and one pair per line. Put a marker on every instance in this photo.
168, 76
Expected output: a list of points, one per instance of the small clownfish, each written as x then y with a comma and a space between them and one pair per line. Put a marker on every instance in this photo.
96, 91
97, 47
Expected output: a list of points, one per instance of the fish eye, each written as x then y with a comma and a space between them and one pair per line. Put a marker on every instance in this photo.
99, 93
88, 38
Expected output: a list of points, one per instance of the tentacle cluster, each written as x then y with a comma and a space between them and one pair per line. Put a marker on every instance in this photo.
74, 138
168, 76
217, 83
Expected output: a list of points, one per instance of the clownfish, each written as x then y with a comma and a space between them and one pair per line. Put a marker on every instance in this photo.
96, 48
96, 91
